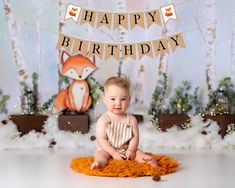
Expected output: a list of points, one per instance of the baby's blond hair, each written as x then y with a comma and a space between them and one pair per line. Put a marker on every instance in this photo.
118, 81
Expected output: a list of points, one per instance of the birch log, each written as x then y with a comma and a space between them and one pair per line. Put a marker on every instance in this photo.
122, 38
210, 44
61, 30
37, 9
163, 62
232, 63
38, 37
15, 43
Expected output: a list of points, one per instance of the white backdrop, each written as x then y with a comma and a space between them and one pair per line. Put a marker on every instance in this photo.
186, 64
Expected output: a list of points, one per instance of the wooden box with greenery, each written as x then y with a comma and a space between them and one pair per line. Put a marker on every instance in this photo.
175, 112
27, 123
34, 121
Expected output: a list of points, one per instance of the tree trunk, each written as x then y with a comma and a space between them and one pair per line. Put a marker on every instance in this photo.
61, 30
163, 62
232, 63
37, 8
210, 44
15, 43
122, 38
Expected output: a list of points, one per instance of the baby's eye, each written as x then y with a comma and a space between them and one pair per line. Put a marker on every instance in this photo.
124, 99
112, 99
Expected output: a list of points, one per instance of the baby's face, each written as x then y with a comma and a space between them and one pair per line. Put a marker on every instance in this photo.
116, 99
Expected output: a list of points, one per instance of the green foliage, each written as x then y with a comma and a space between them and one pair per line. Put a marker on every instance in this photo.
156, 104
35, 92
3, 102
47, 104
94, 86
197, 104
65, 79
181, 101
37, 109
229, 93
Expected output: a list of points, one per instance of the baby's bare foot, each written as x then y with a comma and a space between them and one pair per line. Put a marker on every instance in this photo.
95, 165
150, 160
147, 157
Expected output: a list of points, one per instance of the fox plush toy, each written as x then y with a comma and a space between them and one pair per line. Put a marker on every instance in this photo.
76, 98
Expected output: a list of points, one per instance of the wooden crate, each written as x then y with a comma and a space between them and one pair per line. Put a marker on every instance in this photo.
167, 121
139, 118
222, 120
27, 123
74, 123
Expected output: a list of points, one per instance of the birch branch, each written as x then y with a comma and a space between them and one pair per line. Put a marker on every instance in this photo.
232, 63
162, 68
15, 43
210, 44
61, 29
122, 38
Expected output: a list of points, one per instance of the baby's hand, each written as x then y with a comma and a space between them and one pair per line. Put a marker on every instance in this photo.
118, 156
130, 154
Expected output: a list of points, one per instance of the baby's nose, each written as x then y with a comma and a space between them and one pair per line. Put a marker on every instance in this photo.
118, 102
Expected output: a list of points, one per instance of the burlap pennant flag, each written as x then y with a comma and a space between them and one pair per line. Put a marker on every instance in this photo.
160, 46
136, 19
112, 50
176, 40
145, 49
65, 42
128, 50
97, 49
104, 18
153, 17
88, 16
120, 19
80, 47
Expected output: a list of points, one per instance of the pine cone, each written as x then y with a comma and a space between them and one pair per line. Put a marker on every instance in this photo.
4, 122
156, 177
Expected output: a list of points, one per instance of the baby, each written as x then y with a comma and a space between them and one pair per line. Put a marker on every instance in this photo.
117, 132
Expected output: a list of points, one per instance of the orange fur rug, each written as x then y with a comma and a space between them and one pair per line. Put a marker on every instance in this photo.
125, 168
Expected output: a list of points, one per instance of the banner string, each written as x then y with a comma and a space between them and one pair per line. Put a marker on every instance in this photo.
84, 7
185, 31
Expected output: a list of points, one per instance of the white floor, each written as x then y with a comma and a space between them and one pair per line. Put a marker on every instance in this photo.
50, 169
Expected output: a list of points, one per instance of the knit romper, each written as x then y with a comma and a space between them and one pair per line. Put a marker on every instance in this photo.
119, 134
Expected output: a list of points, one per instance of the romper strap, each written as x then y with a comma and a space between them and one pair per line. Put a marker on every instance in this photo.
106, 116
128, 119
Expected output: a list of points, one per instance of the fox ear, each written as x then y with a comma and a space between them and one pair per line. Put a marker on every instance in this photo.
64, 56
